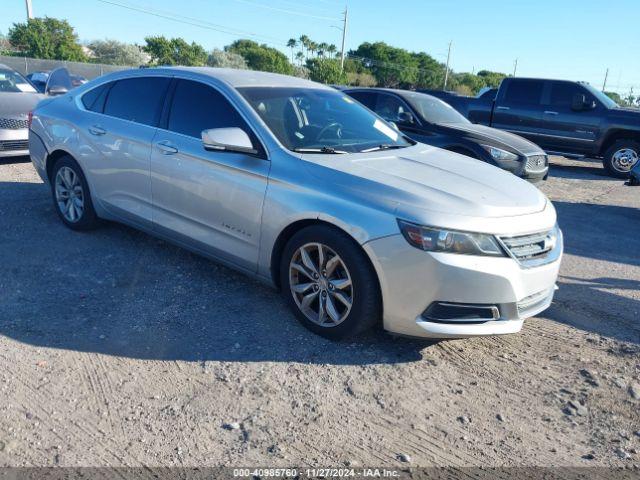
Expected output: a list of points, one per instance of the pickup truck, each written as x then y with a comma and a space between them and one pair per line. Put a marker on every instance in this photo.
564, 118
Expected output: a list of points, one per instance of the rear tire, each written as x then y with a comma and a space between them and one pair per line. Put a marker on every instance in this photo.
621, 157
329, 283
71, 195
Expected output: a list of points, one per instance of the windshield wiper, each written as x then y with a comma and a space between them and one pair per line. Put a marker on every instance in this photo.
318, 150
384, 146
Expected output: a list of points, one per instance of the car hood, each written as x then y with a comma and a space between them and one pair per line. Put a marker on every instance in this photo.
632, 114
18, 105
495, 137
430, 178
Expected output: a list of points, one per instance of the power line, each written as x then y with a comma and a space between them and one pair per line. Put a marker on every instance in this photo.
194, 22
290, 12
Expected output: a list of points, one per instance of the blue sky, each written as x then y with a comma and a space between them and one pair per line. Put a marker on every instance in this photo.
570, 39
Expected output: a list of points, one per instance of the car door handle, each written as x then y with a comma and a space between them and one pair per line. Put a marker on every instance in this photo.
503, 108
549, 112
96, 130
166, 148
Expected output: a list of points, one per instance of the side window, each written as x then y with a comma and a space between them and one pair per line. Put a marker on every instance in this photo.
390, 107
197, 107
368, 99
562, 94
137, 99
94, 99
524, 92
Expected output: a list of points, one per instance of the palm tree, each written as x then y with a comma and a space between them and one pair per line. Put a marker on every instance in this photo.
292, 43
332, 49
322, 48
304, 42
300, 57
312, 47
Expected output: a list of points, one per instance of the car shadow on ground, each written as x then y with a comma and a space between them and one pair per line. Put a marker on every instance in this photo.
593, 306
603, 232
10, 160
121, 292
585, 169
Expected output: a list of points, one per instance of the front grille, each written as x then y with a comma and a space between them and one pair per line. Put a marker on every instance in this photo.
533, 249
536, 163
13, 123
533, 302
11, 145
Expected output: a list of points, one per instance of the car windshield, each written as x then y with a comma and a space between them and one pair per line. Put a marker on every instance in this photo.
434, 110
603, 97
321, 121
13, 82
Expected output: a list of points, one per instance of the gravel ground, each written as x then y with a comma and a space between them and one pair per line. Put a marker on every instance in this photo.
117, 349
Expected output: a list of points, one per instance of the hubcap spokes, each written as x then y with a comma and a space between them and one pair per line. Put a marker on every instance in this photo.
69, 194
624, 159
321, 284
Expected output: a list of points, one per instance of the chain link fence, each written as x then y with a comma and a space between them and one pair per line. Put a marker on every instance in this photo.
25, 66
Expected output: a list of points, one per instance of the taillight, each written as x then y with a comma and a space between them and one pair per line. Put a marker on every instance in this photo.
30, 119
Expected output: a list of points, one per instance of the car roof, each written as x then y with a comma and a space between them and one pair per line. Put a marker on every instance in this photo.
397, 91
251, 78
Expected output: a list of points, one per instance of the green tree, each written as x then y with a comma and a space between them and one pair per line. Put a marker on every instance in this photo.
304, 43
326, 70
47, 38
392, 67
615, 97
114, 52
332, 49
220, 58
491, 79
430, 72
175, 51
261, 57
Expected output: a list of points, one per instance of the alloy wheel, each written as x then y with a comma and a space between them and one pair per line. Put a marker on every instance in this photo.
321, 284
624, 159
69, 194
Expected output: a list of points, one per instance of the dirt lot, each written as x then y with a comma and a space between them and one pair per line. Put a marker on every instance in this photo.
120, 349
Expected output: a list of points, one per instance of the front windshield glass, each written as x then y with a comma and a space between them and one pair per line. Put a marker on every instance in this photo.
603, 97
323, 121
434, 110
13, 82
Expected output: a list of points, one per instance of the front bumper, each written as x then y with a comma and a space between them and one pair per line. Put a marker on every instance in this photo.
14, 143
533, 168
413, 280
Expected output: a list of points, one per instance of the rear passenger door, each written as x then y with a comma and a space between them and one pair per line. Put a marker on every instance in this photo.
210, 200
518, 108
119, 129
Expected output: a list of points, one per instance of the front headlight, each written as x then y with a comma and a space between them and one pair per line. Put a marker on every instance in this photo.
499, 154
450, 241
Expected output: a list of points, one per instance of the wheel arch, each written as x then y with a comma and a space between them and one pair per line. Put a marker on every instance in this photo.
617, 134
290, 230
52, 158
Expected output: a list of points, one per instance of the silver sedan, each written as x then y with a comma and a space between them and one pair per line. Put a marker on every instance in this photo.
300, 186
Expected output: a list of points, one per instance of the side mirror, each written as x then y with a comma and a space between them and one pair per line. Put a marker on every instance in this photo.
406, 118
579, 102
227, 140
57, 90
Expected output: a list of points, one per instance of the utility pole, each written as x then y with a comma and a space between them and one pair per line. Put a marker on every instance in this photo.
604, 84
344, 35
29, 9
446, 72
515, 67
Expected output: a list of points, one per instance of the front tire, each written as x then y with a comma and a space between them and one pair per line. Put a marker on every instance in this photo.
71, 195
329, 283
621, 157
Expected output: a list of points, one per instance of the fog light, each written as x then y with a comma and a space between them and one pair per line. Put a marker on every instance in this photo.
445, 312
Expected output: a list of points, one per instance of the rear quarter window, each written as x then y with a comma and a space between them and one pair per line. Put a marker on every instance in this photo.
94, 99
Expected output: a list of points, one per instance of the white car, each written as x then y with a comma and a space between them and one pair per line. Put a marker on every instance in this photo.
299, 185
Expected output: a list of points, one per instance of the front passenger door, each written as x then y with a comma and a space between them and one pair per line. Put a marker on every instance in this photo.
210, 200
